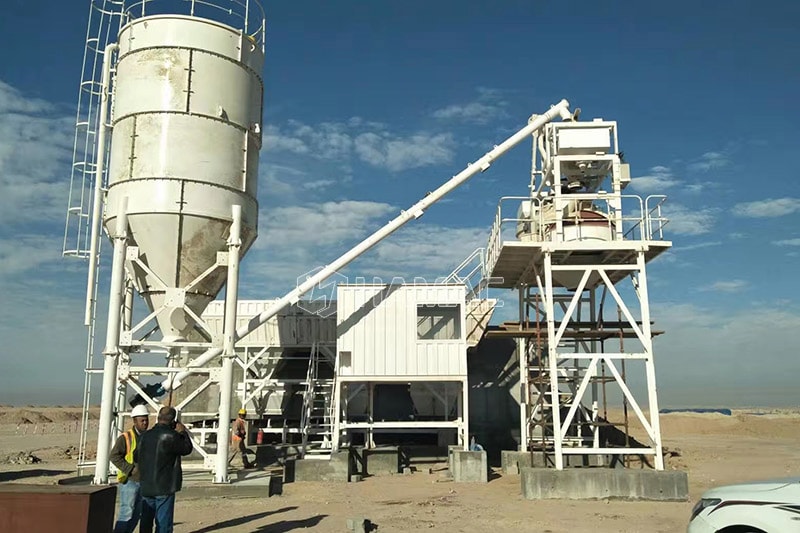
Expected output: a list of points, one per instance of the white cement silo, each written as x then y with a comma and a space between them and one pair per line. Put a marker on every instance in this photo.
182, 175
186, 136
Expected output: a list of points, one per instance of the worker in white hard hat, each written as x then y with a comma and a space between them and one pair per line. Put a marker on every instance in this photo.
238, 434
130, 497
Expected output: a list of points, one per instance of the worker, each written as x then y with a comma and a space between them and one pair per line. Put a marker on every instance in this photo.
159, 459
238, 434
130, 497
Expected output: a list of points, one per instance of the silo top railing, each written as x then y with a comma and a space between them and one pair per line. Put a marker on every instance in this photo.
245, 15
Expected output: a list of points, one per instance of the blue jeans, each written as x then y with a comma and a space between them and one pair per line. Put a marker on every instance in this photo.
130, 507
158, 508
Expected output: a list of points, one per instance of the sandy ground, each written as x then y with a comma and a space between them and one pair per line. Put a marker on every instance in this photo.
714, 450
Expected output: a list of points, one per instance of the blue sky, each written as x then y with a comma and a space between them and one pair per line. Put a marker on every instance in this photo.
368, 105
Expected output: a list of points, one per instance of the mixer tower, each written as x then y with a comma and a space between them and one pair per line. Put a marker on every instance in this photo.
584, 338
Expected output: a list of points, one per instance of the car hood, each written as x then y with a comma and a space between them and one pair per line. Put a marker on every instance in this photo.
750, 489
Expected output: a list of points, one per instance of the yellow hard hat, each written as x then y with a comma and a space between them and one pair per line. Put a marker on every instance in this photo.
242, 411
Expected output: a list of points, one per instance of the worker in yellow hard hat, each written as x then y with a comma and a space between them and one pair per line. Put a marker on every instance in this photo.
130, 498
238, 434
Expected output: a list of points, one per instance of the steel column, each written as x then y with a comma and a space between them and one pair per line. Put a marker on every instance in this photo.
111, 350
228, 347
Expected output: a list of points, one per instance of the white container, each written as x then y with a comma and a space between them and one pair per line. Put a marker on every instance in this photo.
186, 137
409, 332
583, 140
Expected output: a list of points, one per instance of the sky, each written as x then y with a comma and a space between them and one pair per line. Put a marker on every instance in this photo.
369, 105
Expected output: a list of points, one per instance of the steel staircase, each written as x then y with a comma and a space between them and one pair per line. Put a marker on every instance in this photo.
316, 424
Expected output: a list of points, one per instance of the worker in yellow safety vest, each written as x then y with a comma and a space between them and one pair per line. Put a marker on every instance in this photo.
130, 498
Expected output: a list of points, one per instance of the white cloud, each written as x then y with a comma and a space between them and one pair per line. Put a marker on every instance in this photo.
274, 140
686, 221
658, 180
709, 161
329, 140
296, 239
23, 253
357, 139
35, 151
772, 207
425, 250
397, 153
14, 101
318, 184
488, 106
474, 112
787, 242
734, 285
328, 223
700, 186
699, 245
273, 183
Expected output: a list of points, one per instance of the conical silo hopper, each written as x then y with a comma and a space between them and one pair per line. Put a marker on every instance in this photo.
186, 134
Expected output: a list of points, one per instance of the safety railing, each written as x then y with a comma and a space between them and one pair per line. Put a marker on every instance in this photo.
655, 220
495, 244
246, 15
645, 221
472, 273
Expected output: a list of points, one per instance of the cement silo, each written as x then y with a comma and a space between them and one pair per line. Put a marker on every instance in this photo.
183, 111
184, 149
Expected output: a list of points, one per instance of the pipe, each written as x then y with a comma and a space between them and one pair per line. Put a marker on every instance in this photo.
228, 347
97, 201
545, 162
111, 350
414, 212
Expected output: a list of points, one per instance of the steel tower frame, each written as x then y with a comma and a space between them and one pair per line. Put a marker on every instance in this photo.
565, 256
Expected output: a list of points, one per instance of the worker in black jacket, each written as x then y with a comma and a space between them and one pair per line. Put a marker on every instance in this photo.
158, 455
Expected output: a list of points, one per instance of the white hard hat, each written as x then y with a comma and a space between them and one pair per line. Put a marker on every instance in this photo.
140, 410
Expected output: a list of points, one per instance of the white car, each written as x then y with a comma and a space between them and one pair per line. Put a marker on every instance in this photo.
757, 507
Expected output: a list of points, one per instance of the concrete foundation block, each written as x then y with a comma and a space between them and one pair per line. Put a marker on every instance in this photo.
337, 468
512, 461
450, 450
275, 485
358, 525
382, 461
602, 483
288, 471
470, 467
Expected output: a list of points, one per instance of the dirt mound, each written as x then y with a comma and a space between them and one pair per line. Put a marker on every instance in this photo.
43, 415
24, 416
768, 426
63, 415
22, 458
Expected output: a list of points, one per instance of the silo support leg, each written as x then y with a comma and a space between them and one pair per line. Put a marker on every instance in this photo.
111, 351
228, 347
